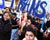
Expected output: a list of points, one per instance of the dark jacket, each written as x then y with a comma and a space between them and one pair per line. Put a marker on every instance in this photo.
5, 30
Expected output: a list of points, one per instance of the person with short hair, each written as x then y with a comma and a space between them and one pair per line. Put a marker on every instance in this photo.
15, 27
30, 34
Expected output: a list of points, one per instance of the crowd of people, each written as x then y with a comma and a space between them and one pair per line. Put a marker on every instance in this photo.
17, 25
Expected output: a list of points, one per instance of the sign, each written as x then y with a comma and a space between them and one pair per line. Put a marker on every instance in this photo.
1, 4
12, 3
31, 7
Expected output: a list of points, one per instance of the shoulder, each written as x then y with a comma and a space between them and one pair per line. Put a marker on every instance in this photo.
35, 38
1, 21
24, 38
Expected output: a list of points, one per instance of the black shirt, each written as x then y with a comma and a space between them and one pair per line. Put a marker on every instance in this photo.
48, 24
14, 22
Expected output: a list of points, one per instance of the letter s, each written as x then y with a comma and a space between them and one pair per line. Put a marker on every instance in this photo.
44, 11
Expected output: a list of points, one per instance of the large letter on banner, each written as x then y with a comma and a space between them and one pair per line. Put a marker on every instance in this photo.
22, 4
44, 11
32, 6
1, 4
12, 3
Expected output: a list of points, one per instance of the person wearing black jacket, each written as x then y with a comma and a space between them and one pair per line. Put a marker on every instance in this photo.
5, 27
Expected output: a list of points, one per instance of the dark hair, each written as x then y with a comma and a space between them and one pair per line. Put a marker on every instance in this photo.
17, 10
5, 13
29, 28
14, 14
8, 8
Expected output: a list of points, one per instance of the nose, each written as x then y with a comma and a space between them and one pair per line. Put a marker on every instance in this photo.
28, 38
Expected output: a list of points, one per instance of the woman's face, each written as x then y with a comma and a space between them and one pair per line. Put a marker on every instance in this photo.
6, 16
7, 9
29, 35
28, 22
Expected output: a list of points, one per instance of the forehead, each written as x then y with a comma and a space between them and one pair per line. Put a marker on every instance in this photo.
29, 33
6, 14
7, 8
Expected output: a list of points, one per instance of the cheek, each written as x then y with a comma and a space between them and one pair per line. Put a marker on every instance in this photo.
4, 17
8, 17
27, 38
